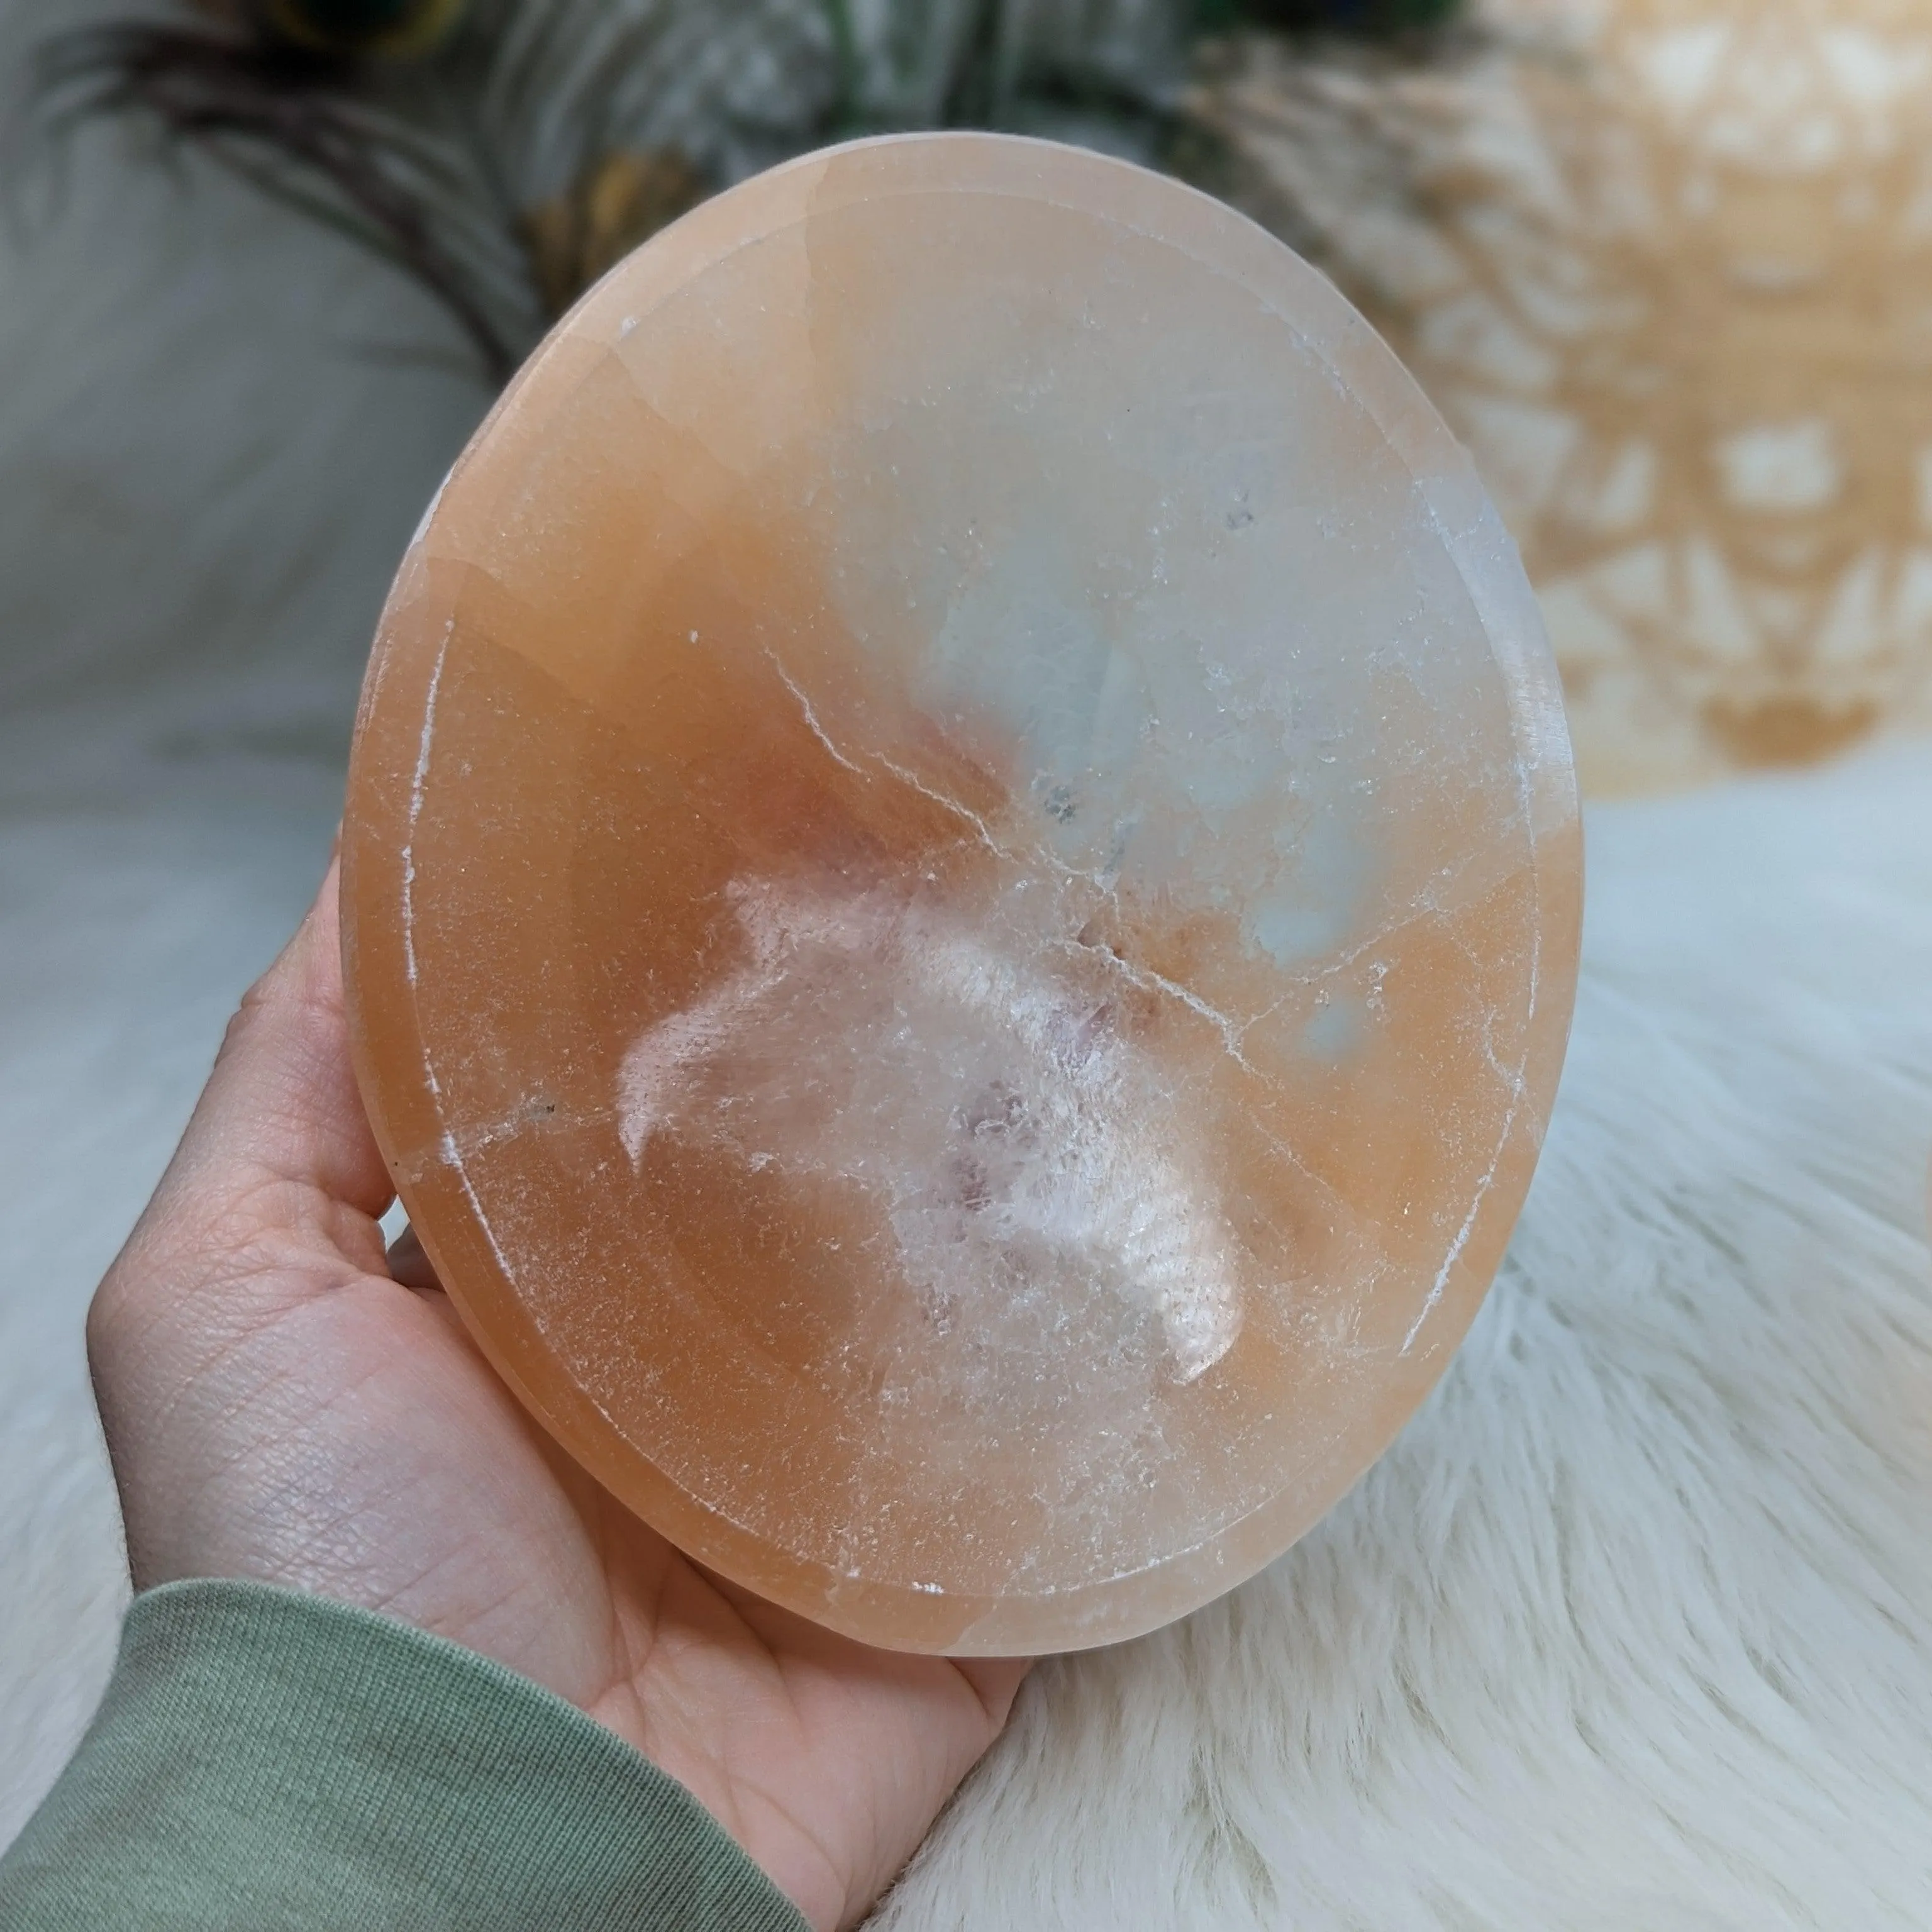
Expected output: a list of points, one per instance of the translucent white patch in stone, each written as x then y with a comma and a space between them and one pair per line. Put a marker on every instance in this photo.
1028, 1159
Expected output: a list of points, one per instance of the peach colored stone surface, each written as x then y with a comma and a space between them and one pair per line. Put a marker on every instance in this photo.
962, 888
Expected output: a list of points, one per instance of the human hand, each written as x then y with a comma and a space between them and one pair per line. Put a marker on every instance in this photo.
285, 1402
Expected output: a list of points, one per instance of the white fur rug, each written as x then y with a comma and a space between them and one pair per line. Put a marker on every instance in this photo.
1632, 1629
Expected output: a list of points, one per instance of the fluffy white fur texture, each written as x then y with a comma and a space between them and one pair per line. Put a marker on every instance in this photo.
1633, 1628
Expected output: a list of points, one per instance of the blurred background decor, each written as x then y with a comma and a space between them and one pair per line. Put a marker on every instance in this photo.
1634, 1625
1667, 267
504, 153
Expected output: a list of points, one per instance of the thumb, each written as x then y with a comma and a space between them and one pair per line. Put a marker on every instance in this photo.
280, 1109
278, 1148
268, 1206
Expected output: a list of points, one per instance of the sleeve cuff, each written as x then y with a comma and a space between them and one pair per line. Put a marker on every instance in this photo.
263, 1758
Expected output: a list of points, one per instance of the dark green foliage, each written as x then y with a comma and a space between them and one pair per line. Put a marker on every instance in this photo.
460, 139
1371, 17
352, 20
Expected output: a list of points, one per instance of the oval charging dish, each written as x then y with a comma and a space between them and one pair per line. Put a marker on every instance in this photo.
961, 888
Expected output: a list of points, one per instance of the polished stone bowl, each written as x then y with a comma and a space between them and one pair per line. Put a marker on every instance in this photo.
961, 891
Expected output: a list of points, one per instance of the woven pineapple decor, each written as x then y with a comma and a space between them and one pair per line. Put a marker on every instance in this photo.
1667, 269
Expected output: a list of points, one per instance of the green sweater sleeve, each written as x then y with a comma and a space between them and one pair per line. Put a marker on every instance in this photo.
264, 1760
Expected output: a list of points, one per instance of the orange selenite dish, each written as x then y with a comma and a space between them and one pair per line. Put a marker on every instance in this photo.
962, 890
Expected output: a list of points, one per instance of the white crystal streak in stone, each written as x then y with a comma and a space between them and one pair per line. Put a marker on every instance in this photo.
1028, 1158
